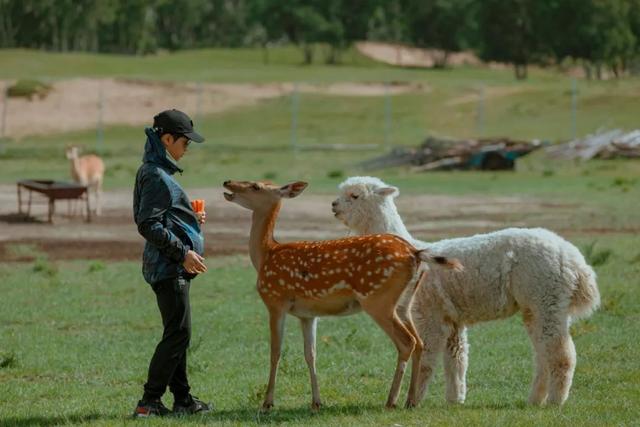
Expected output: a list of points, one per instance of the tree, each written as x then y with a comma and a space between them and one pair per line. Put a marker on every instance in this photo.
348, 21
508, 34
598, 32
387, 23
447, 25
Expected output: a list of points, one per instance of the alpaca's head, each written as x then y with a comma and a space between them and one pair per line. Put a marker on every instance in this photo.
72, 152
363, 200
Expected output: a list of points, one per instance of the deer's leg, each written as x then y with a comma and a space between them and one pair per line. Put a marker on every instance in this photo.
276, 326
412, 395
309, 332
404, 313
388, 320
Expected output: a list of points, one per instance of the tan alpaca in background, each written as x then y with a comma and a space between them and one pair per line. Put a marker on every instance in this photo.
89, 171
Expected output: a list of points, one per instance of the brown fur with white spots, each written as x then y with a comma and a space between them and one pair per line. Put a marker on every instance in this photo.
375, 273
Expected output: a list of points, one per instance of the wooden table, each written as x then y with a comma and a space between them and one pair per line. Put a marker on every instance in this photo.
53, 190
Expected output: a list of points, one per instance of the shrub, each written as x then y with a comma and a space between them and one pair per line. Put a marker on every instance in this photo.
270, 175
335, 174
96, 266
7, 360
42, 265
596, 257
29, 89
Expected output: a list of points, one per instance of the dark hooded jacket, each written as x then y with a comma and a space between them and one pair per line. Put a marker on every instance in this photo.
163, 214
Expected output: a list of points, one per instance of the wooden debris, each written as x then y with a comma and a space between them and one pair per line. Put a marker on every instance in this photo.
437, 153
604, 145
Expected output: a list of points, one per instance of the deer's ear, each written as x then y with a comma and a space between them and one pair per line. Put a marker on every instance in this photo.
387, 191
294, 189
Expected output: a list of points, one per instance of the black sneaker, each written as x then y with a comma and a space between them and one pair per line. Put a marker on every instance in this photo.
192, 405
153, 408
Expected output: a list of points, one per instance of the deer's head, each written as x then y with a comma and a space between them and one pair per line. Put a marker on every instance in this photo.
260, 195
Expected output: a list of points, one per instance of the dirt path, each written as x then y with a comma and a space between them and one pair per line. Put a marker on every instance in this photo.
74, 104
408, 56
114, 236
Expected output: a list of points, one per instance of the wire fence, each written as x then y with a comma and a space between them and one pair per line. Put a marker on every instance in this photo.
315, 116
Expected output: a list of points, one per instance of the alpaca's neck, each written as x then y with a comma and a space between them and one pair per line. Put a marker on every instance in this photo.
75, 169
385, 220
261, 236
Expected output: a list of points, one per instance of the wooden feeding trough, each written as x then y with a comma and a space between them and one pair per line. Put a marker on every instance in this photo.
53, 190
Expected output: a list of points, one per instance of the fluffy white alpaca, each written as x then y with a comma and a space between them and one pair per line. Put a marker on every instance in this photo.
517, 269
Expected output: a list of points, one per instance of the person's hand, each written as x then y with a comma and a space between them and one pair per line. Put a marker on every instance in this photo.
194, 263
202, 217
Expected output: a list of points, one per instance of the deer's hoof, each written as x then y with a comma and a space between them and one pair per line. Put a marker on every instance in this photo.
390, 406
267, 406
410, 404
315, 406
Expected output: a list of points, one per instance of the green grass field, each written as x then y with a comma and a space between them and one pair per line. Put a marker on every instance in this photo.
76, 337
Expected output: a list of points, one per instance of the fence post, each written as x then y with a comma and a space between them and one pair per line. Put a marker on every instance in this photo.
3, 119
295, 107
480, 112
387, 117
574, 108
99, 124
199, 88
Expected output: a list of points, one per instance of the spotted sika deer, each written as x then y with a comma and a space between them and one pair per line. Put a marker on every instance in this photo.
376, 273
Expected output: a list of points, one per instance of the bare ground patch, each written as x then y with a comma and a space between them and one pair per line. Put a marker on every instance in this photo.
74, 104
114, 236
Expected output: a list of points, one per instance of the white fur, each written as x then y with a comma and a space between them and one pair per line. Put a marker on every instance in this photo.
533, 271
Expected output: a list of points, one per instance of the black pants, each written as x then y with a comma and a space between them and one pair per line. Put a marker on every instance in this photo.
168, 365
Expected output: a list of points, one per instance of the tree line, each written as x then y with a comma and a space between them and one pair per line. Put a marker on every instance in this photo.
599, 34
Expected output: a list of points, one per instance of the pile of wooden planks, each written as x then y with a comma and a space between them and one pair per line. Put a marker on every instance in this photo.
603, 145
438, 153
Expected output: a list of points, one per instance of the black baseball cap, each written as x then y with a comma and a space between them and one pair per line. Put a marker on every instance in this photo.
175, 121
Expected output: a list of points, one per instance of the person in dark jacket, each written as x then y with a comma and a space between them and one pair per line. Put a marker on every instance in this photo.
172, 258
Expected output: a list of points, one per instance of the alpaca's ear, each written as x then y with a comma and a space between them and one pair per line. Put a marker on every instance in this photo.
294, 189
387, 191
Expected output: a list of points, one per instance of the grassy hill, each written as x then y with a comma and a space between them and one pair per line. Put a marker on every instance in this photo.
255, 142
231, 65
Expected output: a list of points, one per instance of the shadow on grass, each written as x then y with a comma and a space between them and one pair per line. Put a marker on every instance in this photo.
280, 415
20, 218
520, 404
43, 420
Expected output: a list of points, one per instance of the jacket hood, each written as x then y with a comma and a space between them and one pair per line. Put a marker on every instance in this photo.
155, 152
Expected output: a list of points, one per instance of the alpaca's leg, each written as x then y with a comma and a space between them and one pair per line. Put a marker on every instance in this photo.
456, 360
434, 338
99, 198
561, 362
539, 387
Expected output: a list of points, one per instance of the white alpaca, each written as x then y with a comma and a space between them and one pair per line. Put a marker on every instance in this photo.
517, 269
